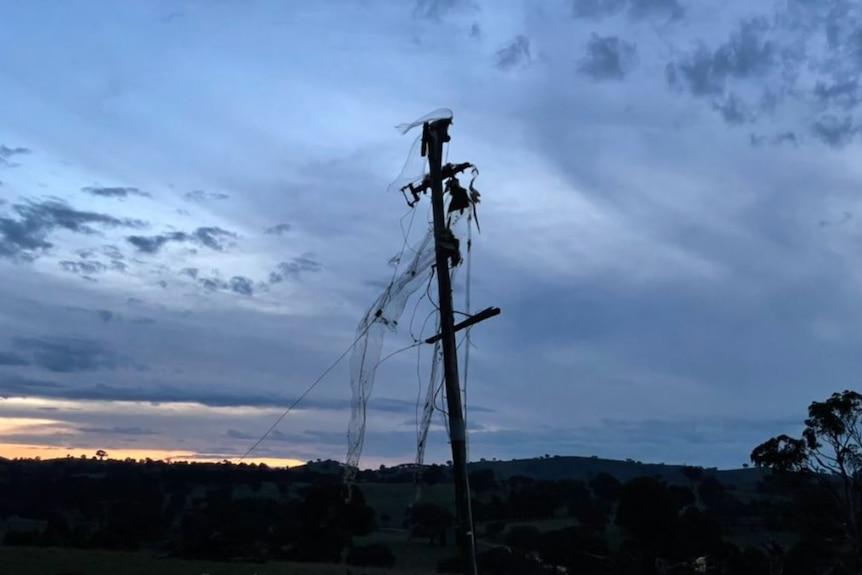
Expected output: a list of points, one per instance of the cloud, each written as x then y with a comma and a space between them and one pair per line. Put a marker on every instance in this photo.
607, 58
277, 230
7, 153
294, 268
203, 196
746, 54
237, 284
105, 315
438, 9
112, 252
834, 131
646, 8
845, 94
595, 9
9, 358
636, 9
115, 192
190, 272
67, 355
26, 237
211, 237
83, 267
158, 394
515, 54
242, 285
117, 430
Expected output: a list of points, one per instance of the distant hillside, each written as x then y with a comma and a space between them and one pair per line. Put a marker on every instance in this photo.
548, 469
572, 467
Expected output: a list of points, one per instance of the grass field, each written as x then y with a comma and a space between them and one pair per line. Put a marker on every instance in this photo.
31, 561
392, 499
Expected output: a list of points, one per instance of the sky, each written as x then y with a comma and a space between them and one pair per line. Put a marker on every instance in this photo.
195, 214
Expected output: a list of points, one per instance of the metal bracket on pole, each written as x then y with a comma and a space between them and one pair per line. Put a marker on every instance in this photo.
472, 320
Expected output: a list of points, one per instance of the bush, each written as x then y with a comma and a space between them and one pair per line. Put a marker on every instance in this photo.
495, 528
375, 555
524, 537
497, 561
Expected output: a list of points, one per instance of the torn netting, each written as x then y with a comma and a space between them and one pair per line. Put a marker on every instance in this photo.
386, 312
383, 314
416, 166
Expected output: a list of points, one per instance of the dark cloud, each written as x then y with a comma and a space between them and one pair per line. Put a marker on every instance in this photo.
7, 153
237, 284
438, 9
9, 358
26, 236
83, 267
637, 9
242, 285
234, 434
115, 192
734, 110
105, 315
595, 9
118, 430
155, 394
212, 284
112, 252
211, 237
607, 58
845, 217
647, 8
746, 54
516, 54
294, 268
834, 131
190, 272
782, 138
471, 425
844, 95
67, 355
202, 196
117, 266
278, 230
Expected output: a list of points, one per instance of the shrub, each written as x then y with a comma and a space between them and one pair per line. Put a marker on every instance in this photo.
375, 555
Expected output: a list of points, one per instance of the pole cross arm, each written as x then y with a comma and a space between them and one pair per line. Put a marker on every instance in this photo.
473, 319
447, 171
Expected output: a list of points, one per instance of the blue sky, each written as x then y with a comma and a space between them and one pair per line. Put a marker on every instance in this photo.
195, 216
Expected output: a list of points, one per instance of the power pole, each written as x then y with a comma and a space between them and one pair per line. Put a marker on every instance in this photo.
435, 134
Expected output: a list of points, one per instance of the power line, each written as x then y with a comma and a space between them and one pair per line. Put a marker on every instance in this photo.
317, 381
304, 394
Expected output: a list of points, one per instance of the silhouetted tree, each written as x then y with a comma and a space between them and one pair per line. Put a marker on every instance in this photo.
648, 514
430, 520
829, 451
482, 481
524, 538
693, 474
606, 486
375, 555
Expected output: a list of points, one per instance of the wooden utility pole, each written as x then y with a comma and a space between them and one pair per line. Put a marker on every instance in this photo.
436, 134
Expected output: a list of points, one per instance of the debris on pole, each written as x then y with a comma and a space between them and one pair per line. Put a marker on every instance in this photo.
434, 136
438, 252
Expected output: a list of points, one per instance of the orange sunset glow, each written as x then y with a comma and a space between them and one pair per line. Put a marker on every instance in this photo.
14, 450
